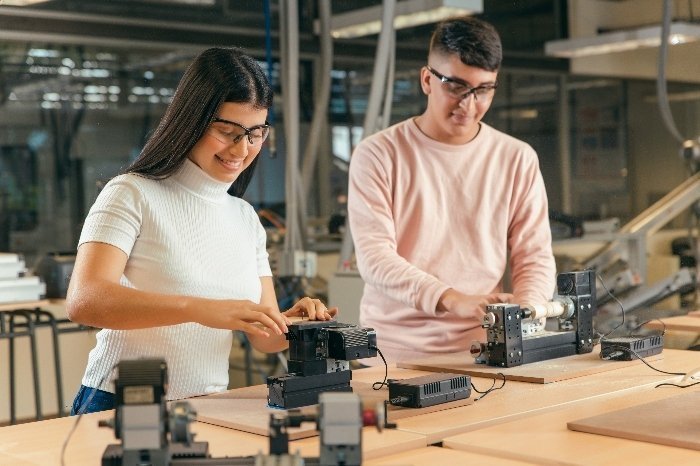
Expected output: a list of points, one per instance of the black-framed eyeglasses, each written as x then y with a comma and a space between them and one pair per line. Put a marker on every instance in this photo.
228, 131
460, 90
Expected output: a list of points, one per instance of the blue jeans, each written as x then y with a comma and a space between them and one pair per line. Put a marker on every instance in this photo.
100, 401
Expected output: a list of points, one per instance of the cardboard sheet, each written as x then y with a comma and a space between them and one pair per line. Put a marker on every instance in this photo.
246, 409
672, 421
551, 370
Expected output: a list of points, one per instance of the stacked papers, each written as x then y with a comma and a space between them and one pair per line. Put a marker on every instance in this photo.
14, 287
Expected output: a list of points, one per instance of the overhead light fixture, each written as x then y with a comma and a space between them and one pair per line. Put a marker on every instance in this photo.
621, 41
408, 13
20, 2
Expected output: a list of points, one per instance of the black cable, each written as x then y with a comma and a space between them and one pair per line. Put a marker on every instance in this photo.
631, 351
379, 385
622, 308
491, 389
628, 350
663, 331
622, 311
80, 413
669, 384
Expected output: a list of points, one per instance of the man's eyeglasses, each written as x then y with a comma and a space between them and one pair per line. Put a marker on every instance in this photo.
458, 89
228, 132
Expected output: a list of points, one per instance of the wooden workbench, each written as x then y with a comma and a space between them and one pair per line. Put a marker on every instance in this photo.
39, 443
521, 399
432, 456
687, 323
538, 407
545, 438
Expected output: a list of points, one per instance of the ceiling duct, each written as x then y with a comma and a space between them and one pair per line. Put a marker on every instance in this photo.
621, 41
21, 2
408, 13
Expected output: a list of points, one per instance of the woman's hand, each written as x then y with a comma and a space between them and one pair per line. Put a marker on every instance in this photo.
314, 309
247, 316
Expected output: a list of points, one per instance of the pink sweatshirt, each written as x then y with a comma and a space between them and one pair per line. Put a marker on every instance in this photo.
426, 216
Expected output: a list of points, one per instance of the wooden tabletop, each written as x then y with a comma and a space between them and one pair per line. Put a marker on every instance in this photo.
431, 456
545, 438
24, 305
688, 323
40, 443
520, 399
57, 307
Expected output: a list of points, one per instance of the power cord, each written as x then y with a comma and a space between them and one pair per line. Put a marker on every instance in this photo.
491, 389
80, 413
619, 303
641, 358
404, 399
623, 312
379, 385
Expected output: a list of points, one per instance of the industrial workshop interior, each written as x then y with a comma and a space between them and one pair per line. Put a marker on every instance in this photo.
519, 285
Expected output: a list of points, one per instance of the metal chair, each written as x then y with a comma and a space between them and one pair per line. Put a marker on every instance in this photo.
13, 324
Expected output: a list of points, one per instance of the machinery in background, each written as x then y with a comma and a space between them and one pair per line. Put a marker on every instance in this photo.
515, 335
622, 263
154, 436
55, 269
319, 355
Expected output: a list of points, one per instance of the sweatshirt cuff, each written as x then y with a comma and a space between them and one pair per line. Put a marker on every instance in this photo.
428, 296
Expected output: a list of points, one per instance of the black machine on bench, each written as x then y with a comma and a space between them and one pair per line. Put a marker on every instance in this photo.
319, 355
516, 335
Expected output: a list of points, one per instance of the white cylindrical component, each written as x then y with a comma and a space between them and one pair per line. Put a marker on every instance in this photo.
489, 320
555, 308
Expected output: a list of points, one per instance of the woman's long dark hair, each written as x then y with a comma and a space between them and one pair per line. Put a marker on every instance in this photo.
217, 75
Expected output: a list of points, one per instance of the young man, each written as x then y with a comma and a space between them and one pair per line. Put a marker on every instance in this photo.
438, 202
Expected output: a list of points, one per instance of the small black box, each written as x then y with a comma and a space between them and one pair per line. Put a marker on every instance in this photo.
429, 390
624, 348
55, 269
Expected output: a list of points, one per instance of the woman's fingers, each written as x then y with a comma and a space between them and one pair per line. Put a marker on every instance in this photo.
262, 318
314, 309
254, 330
269, 317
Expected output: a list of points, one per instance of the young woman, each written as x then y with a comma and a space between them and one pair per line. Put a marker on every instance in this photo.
170, 258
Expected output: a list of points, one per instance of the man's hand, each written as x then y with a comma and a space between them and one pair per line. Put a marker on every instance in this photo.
469, 306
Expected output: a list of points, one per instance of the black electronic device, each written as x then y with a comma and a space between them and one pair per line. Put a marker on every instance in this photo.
517, 335
631, 347
429, 390
55, 269
319, 355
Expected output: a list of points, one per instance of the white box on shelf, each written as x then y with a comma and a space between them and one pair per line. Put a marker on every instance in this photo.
11, 265
21, 289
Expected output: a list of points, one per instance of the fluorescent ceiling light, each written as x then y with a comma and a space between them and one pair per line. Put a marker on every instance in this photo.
20, 2
408, 13
621, 41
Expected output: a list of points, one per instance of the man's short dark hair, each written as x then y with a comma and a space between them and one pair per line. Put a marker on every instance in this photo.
475, 41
